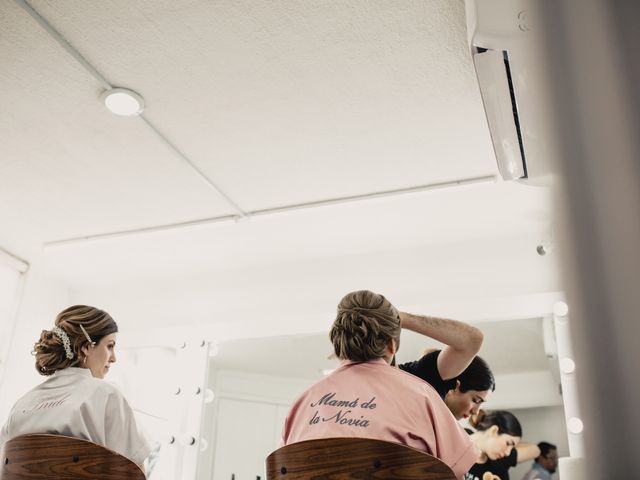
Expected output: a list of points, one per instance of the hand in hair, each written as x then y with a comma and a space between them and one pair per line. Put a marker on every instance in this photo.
462, 341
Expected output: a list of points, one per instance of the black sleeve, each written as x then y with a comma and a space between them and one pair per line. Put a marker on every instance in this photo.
426, 368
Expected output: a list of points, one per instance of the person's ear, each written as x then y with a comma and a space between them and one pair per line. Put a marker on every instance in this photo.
493, 430
392, 347
390, 352
85, 349
455, 390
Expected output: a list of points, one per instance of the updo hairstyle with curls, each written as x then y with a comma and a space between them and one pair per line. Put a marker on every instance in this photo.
49, 350
365, 324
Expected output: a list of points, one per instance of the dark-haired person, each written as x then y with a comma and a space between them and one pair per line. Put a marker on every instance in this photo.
74, 401
498, 437
366, 397
462, 379
545, 464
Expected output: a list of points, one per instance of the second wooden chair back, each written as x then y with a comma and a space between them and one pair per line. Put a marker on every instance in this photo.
353, 458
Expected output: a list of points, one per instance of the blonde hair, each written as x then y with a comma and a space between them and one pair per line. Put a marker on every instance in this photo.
365, 324
50, 351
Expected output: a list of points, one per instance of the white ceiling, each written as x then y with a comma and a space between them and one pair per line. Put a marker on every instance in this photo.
277, 103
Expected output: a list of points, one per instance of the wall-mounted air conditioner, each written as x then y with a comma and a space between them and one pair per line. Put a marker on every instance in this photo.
504, 50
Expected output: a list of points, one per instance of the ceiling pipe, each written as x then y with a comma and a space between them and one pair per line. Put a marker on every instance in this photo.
13, 261
275, 210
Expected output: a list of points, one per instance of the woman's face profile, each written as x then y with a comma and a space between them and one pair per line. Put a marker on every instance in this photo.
100, 356
500, 445
465, 404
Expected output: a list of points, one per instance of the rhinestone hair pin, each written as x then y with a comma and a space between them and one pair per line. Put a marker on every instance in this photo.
62, 335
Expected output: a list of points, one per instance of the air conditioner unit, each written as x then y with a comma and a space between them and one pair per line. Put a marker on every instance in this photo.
503, 45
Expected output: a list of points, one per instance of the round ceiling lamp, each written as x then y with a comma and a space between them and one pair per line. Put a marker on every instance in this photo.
124, 102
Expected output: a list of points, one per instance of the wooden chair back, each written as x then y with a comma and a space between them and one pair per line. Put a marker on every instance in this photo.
43, 456
353, 458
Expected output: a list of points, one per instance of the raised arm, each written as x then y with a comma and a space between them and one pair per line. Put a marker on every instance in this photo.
462, 341
527, 451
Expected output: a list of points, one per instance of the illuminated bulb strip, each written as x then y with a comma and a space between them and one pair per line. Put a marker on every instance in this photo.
567, 366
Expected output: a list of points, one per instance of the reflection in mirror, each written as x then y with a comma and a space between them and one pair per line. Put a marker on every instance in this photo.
254, 382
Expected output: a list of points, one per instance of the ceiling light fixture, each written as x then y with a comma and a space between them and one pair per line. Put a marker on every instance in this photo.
122, 101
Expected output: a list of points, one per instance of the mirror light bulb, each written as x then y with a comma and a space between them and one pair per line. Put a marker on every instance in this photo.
561, 309
567, 365
575, 425
208, 395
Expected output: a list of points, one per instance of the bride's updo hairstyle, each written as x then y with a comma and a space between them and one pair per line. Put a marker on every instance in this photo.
51, 352
365, 324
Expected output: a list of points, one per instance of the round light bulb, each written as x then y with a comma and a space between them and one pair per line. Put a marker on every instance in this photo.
567, 365
204, 443
561, 309
123, 102
575, 425
208, 395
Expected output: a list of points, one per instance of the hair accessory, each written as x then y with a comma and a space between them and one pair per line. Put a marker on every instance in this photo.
62, 335
87, 335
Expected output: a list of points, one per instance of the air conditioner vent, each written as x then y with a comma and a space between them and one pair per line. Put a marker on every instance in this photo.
498, 95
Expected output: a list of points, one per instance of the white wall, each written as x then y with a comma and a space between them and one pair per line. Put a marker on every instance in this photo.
11, 283
42, 299
524, 390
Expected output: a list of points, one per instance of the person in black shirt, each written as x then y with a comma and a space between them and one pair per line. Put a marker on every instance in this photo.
498, 438
462, 379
